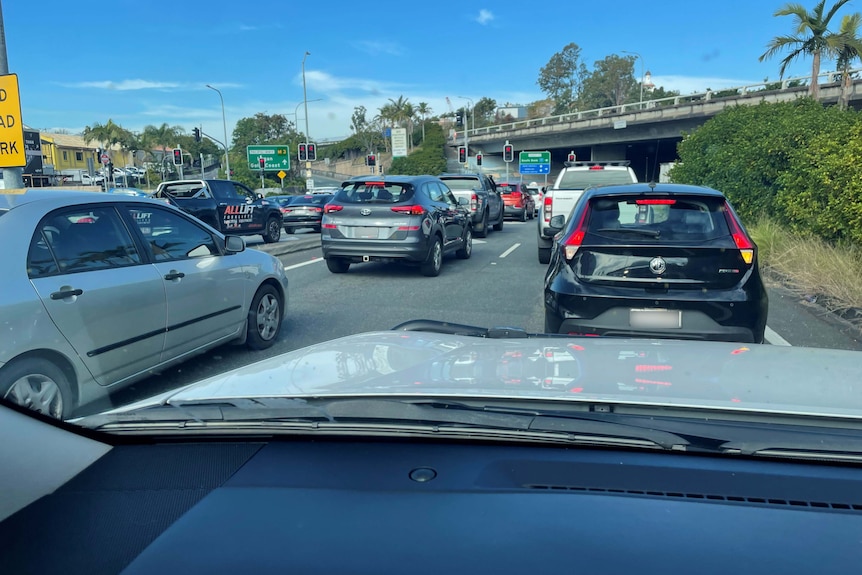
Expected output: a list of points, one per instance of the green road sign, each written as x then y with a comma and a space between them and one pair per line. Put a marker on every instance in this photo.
534, 158
275, 157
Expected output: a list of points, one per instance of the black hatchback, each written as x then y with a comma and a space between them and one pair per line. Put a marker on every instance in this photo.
655, 260
413, 219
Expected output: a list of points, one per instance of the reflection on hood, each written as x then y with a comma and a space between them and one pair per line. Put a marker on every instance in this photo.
643, 371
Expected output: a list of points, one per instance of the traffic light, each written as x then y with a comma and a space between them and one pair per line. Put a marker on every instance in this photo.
311, 152
508, 153
178, 157
370, 160
262, 162
302, 152
462, 155
459, 119
196, 132
478, 159
571, 157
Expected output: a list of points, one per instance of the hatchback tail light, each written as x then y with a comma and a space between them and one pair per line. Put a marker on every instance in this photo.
740, 238
412, 210
576, 238
330, 208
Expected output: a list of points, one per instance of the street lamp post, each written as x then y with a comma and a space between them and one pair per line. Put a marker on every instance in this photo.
467, 132
305, 96
295, 113
642, 72
224, 125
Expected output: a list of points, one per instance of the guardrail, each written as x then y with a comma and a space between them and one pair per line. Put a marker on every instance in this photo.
798, 84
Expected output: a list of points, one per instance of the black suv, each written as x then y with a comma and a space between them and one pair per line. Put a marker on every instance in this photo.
412, 219
228, 206
654, 260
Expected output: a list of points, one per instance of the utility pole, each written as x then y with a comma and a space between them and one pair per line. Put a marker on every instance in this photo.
12, 177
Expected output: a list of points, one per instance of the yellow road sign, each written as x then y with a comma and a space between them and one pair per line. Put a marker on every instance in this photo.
281, 174
12, 153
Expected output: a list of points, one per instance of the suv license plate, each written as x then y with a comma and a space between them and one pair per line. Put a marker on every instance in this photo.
655, 318
366, 233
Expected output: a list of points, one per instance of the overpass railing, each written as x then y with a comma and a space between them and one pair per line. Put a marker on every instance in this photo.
790, 85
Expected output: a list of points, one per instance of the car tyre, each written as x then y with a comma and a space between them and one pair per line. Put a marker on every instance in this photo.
337, 265
482, 229
264, 318
434, 262
316, 229
289, 230
498, 227
272, 231
524, 215
38, 384
544, 255
467, 249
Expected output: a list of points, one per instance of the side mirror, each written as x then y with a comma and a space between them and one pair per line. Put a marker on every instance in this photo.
234, 244
462, 201
260, 196
557, 224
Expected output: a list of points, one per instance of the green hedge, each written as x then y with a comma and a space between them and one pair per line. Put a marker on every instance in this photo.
429, 159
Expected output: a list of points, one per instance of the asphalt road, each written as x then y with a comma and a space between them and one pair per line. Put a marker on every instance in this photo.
501, 285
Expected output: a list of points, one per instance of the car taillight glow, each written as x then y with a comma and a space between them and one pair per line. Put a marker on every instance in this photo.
597, 167
574, 241
408, 228
412, 210
332, 208
549, 205
474, 202
742, 241
656, 202
330, 226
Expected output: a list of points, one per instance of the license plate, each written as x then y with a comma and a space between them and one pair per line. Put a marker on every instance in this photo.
655, 318
365, 233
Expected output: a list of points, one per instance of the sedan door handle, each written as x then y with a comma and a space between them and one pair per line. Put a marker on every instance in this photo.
68, 292
174, 275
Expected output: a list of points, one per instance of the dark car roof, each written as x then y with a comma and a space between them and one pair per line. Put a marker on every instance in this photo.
397, 179
644, 188
454, 175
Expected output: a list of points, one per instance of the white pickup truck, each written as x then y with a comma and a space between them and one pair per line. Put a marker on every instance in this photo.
567, 190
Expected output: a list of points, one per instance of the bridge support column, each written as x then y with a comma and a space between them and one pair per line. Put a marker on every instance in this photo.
608, 152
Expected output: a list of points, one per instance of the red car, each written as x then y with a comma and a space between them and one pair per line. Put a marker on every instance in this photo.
517, 200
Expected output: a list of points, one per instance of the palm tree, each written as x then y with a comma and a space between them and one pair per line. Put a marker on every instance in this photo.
810, 38
847, 47
424, 110
161, 137
110, 134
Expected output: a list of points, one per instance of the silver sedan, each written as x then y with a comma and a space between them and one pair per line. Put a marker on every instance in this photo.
100, 291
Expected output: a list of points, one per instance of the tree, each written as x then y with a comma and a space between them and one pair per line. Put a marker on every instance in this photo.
262, 129
562, 77
161, 138
369, 134
424, 110
811, 37
847, 47
110, 134
611, 83
484, 111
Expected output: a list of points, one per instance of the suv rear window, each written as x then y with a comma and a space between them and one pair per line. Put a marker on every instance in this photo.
374, 192
667, 218
581, 179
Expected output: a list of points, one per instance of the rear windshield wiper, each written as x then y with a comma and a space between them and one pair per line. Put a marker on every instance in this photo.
649, 233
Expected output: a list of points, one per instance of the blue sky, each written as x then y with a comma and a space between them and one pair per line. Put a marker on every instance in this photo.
143, 62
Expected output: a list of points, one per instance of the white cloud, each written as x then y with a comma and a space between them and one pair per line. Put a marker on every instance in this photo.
484, 16
131, 85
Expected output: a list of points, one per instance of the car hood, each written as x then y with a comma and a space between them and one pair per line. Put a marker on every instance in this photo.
763, 378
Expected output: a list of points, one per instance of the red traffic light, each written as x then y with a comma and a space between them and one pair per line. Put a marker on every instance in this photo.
462, 154
571, 157
478, 159
262, 162
311, 152
508, 153
178, 156
302, 152
371, 160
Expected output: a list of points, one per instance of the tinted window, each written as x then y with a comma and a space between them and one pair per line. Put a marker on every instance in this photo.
185, 190
508, 188
689, 218
311, 200
81, 239
435, 192
582, 179
171, 236
376, 192
463, 184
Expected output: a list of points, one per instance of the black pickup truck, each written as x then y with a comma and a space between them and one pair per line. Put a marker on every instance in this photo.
228, 206
486, 204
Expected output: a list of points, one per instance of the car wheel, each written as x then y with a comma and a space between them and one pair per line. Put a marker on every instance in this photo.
337, 265
273, 231
432, 264
498, 227
264, 318
317, 229
289, 230
524, 215
544, 255
467, 249
37, 384
482, 229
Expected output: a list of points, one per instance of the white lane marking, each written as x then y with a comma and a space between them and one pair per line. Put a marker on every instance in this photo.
311, 261
510, 250
770, 336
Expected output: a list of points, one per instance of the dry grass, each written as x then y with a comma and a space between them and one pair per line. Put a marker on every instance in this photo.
812, 267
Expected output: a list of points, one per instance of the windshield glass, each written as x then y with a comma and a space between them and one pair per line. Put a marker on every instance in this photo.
635, 219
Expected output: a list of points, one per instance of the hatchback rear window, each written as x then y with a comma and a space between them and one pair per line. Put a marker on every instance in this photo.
665, 218
582, 179
374, 192
508, 188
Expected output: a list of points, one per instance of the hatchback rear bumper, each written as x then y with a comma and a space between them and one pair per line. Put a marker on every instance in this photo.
364, 251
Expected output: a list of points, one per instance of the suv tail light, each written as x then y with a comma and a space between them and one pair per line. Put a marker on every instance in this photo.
412, 210
329, 208
574, 241
549, 205
740, 238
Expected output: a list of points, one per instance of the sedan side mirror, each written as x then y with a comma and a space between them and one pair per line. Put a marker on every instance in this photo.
234, 244
557, 224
